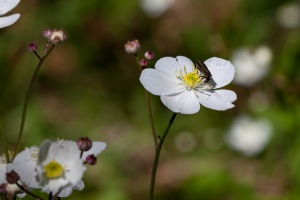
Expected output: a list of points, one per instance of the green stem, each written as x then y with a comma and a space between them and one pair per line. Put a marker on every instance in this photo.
4, 141
149, 108
157, 154
28, 96
28, 192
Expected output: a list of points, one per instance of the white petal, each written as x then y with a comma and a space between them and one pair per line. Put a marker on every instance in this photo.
8, 20
222, 71
185, 62
96, 149
7, 5
217, 100
159, 83
185, 102
67, 191
168, 65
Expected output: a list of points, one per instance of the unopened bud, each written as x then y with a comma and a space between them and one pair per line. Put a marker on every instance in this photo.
144, 62
47, 33
12, 177
91, 159
84, 144
132, 47
57, 36
149, 55
32, 46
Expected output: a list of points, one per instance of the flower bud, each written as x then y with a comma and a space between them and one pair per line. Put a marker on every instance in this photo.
84, 144
57, 36
47, 33
149, 55
32, 46
91, 159
12, 177
132, 47
144, 62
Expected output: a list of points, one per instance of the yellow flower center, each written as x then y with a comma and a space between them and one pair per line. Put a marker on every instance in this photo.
53, 170
192, 79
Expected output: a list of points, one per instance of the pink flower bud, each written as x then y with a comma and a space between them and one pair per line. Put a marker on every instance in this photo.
144, 62
47, 33
91, 159
32, 46
57, 36
12, 177
84, 144
149, 55
132, 47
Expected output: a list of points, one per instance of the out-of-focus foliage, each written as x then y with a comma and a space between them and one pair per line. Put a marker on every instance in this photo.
89, 87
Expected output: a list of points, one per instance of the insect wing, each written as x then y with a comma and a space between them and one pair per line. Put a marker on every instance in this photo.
203, 68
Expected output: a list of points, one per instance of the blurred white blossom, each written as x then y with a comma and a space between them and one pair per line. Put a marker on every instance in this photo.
6, 6
248, 136
251, 65
155, 8
182, 87
288, 15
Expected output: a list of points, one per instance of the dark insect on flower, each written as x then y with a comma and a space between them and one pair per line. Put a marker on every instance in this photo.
203, 69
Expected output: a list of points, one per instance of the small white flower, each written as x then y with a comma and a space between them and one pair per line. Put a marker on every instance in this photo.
252, 65
6, 6
182, 88
59, 165
10, 189
24, 164
249, 136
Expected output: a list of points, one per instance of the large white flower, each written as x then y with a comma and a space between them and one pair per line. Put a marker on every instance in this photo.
182, 87
6, 6
59, 165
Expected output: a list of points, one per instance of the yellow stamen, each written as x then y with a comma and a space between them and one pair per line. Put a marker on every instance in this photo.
192, 79
53, 170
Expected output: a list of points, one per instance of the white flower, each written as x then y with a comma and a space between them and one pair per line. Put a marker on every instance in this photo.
155, 8
59, 165
252, 65
10, 189
182, 88
6, 6
24, 164
249, 136
288, 15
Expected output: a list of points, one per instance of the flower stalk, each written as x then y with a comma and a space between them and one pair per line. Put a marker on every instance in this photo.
149, 107
41, 60
157, 154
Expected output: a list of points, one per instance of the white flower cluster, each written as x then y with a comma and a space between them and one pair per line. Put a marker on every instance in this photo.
55, 167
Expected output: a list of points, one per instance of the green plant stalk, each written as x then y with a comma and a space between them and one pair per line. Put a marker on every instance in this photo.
34, 76
157, 154
149, 108
4, 141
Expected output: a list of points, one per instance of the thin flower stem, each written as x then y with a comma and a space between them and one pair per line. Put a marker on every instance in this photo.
149, 108
157, 154
28, 192
4, 141
28, 96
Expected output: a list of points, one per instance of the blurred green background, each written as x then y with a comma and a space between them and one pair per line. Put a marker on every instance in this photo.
89, 86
